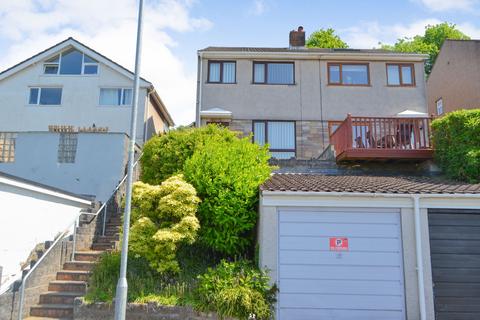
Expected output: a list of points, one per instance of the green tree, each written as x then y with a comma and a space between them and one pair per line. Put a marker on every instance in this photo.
456, 138
164, 156
428, 43
227, 176
325, 38
163, 217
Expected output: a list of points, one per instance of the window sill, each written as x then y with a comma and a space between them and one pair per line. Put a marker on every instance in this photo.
114, 106
69, 75
348, 85
401, 86
220, 82
274, 84
43, 105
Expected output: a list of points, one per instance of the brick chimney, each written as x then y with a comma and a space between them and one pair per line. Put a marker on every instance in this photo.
297, 38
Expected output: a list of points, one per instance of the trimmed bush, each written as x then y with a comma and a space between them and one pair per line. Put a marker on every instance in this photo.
456, 138
165, 155
163, 217
226, 176
236, 289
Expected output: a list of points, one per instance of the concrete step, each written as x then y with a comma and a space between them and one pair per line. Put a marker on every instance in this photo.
49, 318
55, 297
74, 275
87, 255
52, 310
67, 286
103, 246
106, 239
79, 265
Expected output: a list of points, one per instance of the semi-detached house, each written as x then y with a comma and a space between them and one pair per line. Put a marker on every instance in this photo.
288, 96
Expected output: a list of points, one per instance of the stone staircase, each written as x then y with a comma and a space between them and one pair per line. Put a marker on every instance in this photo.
71, 281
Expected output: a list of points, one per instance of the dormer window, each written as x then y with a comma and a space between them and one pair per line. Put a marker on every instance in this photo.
70, 62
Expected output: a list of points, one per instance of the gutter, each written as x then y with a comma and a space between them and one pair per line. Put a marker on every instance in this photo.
199, 88
315, 55
417, 221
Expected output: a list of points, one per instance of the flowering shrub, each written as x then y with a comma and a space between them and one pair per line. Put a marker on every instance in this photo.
163, 217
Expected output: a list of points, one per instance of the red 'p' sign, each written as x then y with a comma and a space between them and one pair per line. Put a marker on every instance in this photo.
338, 244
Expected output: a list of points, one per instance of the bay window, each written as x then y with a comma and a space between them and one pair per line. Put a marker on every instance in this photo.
279, 135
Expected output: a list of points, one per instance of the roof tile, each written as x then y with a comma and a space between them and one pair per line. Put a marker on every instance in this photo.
366, 184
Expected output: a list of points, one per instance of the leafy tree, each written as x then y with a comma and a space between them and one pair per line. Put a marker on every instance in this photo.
428, 43
164, 156
325, 38
456, 137
226, 176
163, 217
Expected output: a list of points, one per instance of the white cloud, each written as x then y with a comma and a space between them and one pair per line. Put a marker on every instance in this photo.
109, 26
370, 34
258, 7
443, 5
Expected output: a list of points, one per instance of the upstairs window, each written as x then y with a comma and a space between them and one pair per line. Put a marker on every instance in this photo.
71, 62
222, 71
7, 146
279, 135
348, 74
45, 96
273, 73
439, 105
67, 147
401, 75
115, 97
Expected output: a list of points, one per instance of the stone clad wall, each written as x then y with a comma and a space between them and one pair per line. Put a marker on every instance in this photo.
150, 311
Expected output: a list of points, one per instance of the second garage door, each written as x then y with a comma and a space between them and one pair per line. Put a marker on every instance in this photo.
359, 277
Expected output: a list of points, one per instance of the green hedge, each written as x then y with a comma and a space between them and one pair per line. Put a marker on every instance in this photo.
456, 139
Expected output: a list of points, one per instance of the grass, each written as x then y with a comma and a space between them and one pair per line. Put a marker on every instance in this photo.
145, 284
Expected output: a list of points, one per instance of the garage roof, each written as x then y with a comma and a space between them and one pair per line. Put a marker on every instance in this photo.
367, 184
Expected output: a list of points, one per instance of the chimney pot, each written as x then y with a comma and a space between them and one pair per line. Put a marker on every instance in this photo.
297, 38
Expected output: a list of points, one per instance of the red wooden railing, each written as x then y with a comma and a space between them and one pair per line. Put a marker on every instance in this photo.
396, 134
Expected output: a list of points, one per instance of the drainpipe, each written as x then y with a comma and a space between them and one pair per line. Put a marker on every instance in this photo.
419, 252
199, 89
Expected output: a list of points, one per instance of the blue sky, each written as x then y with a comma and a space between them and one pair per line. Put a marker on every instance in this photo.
175, 29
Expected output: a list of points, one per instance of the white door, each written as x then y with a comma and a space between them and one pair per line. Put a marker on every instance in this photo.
340, 264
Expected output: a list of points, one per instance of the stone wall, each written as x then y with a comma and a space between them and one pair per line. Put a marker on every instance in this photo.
312, 138
150, 311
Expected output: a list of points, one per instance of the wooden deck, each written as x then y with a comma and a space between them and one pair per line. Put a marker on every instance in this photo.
381, 139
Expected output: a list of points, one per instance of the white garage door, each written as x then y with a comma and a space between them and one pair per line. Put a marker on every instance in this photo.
363, 281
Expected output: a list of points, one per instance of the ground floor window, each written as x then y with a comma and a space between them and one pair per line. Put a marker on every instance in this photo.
7, 146
67, 147
279, 135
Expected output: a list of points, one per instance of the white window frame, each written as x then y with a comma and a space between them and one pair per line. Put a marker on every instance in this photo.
37, 103
122, 95
59, 63
441, 104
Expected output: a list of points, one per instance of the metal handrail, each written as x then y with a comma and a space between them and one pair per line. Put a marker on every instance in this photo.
24, 279
62, 236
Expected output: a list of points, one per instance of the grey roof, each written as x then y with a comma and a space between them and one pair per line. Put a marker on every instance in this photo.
314, 50
73, 39
46, 187
367, 184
